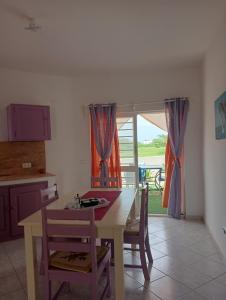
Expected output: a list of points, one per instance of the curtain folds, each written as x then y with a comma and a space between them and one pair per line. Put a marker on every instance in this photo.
176, 117
104, 146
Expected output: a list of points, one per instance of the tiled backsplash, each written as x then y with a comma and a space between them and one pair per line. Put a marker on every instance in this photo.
22, 158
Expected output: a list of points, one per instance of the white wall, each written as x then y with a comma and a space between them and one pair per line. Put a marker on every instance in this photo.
68, 152
215, 150
21, 87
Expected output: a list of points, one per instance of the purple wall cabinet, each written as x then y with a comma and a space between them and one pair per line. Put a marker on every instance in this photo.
25, 200
28, 122
4, 213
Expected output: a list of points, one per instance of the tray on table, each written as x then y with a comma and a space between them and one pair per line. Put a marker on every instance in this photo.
87, 203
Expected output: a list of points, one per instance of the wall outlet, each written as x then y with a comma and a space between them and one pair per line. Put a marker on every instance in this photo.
26, 165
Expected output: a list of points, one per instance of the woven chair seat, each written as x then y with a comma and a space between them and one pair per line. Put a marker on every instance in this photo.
132, 228
76, 261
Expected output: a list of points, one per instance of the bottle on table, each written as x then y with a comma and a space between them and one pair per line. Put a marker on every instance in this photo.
77, 201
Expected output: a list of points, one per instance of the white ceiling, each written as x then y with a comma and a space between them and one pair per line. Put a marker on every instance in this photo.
106, 35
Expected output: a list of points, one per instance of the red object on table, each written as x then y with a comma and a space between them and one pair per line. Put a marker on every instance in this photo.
109, 195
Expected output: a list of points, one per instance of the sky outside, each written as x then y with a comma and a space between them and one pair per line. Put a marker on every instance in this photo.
147, 131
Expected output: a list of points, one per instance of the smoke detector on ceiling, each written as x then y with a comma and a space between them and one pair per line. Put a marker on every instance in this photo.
33, 26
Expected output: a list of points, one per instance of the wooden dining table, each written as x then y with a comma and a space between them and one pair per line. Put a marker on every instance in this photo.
111, 226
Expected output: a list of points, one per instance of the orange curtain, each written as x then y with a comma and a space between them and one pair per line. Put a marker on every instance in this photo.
169, 164
114, 167
169, 158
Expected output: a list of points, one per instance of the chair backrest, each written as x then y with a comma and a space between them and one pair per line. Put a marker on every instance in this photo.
144, 211
98, 182
58, 223
49, 195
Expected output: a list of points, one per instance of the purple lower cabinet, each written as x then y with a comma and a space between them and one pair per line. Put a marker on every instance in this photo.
4, 214
25, 200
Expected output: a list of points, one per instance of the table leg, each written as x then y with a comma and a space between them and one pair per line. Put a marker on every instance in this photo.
31, 264
133, 219
133, 212
119, 265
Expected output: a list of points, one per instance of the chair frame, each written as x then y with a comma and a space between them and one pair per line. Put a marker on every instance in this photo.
142, 238
48, 196
106, 182
52, 228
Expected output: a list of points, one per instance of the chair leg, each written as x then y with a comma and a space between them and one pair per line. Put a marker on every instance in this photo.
41, 269
110, 243
67, 288
143, 261
47, 289
148, 249
112, 249
108, 279
93, 290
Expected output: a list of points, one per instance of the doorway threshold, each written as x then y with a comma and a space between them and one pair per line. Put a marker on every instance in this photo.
158, 215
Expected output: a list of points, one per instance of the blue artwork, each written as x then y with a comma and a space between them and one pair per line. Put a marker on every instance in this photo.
220, 117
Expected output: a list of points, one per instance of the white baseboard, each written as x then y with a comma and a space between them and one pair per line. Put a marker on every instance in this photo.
194, 218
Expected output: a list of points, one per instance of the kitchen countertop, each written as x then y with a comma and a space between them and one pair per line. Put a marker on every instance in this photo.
20, 179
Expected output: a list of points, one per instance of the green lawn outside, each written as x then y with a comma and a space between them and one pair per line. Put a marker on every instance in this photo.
155, 203
148, 150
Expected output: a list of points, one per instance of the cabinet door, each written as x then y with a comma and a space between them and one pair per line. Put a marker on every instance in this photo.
25, 200
28, 122
4, 213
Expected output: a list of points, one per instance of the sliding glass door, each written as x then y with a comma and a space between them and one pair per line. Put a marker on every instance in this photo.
142, 141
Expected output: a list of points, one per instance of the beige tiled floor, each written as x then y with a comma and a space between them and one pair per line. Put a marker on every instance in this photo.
187, 266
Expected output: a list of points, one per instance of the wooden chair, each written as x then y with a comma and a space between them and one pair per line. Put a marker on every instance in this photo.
111, 182
138, 234
48, 195
71, 260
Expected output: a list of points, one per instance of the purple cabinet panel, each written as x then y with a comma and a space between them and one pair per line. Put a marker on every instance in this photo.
28, 122
24, 200
4, 213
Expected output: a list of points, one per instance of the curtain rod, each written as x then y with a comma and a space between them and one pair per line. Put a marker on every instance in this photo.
141, 103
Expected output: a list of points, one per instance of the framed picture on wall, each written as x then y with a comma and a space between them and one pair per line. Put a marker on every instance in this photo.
220, 117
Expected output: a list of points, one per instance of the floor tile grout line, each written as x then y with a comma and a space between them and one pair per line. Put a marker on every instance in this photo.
188, 265
180, 283
5, 294
145, 281
212, 279
193, 289
15, 271
168, 240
